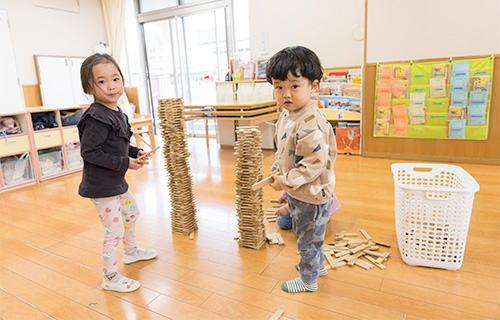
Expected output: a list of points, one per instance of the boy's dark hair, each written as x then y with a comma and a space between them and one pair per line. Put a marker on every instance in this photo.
298, 60
86, 75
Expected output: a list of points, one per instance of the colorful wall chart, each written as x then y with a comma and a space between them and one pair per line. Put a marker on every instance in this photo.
443, 99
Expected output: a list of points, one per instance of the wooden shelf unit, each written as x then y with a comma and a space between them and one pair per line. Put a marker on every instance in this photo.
61, 143
12, 148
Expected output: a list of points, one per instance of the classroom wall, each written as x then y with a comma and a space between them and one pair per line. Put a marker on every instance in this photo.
420, 29
44, 31
324, 26
397, 30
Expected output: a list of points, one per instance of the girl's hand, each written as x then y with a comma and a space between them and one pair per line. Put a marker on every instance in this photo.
135, 164
275, 184
282, 211
145, 156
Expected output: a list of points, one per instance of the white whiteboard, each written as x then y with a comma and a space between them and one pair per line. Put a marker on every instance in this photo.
11, 92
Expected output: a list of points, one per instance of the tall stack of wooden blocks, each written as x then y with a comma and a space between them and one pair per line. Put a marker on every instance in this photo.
175, 149
249, 202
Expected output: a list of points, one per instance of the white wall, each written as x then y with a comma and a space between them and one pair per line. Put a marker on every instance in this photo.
323, 26
37, 30
417, 29
397, 30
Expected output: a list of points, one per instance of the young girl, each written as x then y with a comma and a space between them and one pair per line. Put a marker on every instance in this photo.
107, 155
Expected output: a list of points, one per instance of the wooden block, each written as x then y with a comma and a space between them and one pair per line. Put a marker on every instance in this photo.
352, 258
339, 264
360, 248
379, 265
341, 235
356, 243
271, 219
191, 235
350, 235
375, 254
274, 201
277, 314
262, 183
148, 153
342, 254
362, 264
366, 263
382, 244
271, 238
330, 260
353, 239
383, 257
280, 239
365, 234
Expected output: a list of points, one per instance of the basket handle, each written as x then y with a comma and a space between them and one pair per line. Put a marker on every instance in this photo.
438, 195
422, 169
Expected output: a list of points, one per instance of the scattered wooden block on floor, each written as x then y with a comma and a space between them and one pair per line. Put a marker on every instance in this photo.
277, 314
275, 238
365, 234
349, 250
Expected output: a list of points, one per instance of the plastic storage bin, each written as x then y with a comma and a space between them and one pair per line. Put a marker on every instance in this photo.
50, 162
17, 171
433, 204
74, 158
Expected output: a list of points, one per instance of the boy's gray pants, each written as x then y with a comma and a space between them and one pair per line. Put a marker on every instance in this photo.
309, 224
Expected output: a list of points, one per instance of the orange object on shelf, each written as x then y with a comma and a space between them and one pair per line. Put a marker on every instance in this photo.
347, 140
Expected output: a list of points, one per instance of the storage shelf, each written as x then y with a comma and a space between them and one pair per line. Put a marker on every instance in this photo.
58, 138
341, 115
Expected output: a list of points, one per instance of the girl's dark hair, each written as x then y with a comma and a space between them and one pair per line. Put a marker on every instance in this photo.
86, 75
298, 60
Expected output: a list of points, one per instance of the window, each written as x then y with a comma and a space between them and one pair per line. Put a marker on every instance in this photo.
153, 5
186, 49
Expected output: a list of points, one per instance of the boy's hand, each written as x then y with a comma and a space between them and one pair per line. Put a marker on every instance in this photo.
275, 184
282, 211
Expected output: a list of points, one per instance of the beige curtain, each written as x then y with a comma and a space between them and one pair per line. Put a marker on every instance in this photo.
114, 16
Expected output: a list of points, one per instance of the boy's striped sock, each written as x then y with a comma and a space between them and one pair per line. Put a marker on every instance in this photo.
297, 285
322, 272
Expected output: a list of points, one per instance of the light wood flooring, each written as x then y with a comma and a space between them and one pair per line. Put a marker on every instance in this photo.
50, 243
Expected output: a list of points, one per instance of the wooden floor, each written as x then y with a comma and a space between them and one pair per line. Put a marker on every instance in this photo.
50, 243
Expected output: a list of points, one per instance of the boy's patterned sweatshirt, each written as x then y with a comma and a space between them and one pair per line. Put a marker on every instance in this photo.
306, 154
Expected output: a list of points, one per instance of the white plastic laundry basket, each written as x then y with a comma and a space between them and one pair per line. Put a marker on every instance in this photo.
433, 204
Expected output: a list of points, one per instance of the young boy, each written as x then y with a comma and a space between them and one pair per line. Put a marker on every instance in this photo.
304, 159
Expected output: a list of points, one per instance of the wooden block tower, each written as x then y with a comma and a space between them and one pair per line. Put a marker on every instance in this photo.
249, 202
175, 149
